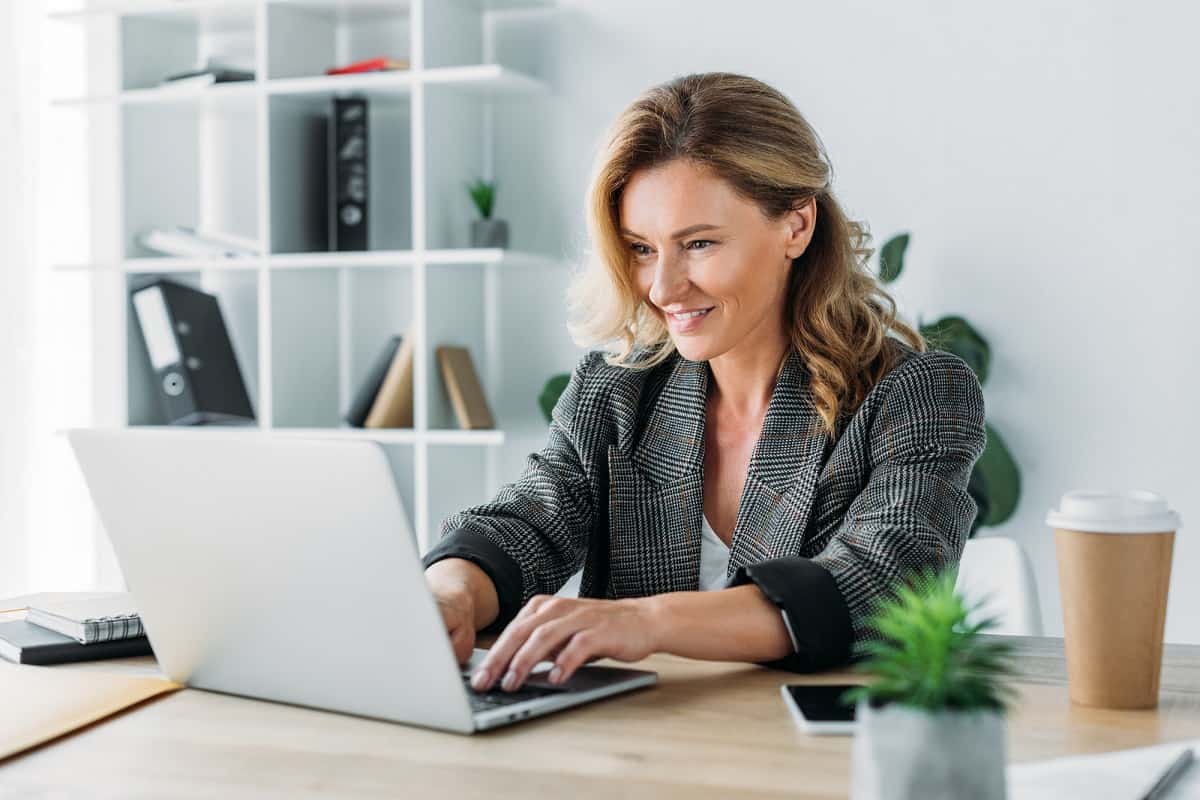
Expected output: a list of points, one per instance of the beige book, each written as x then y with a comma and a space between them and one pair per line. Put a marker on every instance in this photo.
393, 406
462, 384
43, 703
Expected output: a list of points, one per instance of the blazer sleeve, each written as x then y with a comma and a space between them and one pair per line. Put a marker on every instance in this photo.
914, 512
532, 536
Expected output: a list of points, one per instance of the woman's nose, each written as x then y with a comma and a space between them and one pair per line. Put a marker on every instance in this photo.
670, 282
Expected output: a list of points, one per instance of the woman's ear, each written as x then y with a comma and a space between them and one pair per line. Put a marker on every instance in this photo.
800, 222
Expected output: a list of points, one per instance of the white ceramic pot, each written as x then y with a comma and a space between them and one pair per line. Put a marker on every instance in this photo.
904, 753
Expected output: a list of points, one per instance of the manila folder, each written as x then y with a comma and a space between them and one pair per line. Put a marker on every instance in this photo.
43, 703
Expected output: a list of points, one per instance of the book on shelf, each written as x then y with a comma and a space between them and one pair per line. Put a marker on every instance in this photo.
89, 618
463, 386
356, 415
208, 72
370, 65
188, 242
393, 404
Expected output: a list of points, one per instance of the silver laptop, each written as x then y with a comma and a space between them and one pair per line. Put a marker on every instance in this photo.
284, 568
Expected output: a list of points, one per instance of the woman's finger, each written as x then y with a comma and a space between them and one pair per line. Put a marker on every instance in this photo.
462, 640
546, 640
495, 665
581, 648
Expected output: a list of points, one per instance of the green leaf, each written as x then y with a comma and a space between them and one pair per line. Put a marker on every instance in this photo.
999, 472
928, 655
553, 389
955, 335
483, 194
891, 257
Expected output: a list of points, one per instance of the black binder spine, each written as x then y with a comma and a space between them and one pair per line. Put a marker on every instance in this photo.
348, 174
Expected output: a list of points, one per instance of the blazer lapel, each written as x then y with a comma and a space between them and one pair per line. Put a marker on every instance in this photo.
656, 496
782, 477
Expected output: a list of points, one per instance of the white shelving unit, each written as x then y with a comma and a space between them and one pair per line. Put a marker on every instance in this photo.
248, 158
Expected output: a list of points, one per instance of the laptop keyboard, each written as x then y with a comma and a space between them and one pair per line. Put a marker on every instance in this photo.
497, 698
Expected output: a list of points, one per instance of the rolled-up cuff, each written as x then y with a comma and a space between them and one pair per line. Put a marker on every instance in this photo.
814, 611
487, 555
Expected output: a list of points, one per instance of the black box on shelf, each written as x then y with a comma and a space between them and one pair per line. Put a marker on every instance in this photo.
348, 174
198, 378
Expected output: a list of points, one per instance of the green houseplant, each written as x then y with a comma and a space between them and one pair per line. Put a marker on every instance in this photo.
995, 482
486, 232
931, 723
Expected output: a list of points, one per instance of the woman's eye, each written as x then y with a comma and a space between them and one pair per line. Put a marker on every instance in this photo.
635, 247
699, 241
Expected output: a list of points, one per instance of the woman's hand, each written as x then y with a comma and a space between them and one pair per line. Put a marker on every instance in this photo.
466, 599
571, 631
458, 614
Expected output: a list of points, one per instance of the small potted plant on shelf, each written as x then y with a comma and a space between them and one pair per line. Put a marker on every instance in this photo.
486, 232
932, 723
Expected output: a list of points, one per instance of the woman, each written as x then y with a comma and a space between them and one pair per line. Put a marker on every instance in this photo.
761, 460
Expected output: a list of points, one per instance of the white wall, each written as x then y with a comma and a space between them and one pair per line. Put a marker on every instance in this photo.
1044, 156
45, 538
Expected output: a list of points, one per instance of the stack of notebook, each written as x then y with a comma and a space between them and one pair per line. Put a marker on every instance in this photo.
83, 627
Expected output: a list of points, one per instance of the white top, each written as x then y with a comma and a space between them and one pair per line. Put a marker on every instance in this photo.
714, 561
714, 558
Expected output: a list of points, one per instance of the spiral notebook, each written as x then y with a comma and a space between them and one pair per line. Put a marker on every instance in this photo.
91, 618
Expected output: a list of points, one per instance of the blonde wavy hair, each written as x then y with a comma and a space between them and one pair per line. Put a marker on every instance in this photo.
753, 137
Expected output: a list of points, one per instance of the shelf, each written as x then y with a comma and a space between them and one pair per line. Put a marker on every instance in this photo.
393, 82
361, 260
485, 79
490, 255
231, 92
365, 259
166, 264
481, 79
400, 258
488, 438
210, 16
307, 324
200, 10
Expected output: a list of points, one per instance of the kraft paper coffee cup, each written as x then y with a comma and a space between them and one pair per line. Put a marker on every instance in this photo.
1114, 568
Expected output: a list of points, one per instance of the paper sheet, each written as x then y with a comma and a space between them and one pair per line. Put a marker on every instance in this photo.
41, 703
1119, 775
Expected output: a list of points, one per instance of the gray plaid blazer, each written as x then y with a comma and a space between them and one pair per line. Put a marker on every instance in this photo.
825, 526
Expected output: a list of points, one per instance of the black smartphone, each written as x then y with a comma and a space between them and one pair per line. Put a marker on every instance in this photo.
819, 709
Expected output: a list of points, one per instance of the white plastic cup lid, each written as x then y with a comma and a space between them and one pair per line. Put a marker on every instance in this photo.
1099, 511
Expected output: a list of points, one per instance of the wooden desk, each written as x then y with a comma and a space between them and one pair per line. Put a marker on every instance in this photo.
707, 730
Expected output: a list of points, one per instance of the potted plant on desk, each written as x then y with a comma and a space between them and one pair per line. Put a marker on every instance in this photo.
931, 725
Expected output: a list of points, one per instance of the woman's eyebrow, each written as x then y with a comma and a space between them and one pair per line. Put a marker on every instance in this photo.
679, 234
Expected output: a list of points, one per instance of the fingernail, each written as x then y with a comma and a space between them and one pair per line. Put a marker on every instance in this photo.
480, 679
510, 681
556, 675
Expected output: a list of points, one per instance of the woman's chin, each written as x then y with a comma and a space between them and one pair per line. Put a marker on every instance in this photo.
693, 348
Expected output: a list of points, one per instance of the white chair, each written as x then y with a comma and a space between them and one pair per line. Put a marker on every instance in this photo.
996, 570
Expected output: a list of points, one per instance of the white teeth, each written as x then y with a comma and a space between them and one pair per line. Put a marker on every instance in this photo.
691, 314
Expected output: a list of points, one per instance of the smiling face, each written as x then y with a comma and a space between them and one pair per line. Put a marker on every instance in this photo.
695, 245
